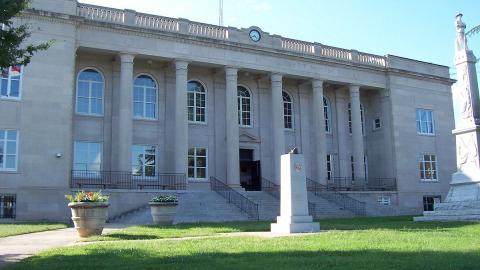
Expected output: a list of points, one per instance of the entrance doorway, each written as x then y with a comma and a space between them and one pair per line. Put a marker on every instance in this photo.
250, 177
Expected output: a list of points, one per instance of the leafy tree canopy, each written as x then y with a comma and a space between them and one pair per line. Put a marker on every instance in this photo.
12, 49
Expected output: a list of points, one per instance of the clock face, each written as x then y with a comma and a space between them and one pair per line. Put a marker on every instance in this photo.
255, 35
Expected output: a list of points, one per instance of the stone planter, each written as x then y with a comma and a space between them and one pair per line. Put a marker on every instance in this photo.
163, 212
89, 217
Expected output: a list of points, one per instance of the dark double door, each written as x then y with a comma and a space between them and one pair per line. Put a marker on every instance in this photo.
250, 177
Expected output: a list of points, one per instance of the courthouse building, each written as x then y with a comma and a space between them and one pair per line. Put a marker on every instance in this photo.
136, 104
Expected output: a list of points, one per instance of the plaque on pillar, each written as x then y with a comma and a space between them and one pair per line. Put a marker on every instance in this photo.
294, 217
463, 199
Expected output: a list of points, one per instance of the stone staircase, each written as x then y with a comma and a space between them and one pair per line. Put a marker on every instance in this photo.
268, 206
206, 206
327, 209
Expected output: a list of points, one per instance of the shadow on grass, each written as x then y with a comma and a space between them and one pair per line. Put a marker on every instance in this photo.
134, 258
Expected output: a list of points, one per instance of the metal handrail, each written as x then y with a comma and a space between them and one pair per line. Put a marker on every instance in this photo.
274, 190
343, 200
234, 197
127, 180
271, 188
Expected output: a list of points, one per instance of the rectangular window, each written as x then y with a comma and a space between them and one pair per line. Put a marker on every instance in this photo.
377, 124
8, 206
428, 168
8, 150
144, 160
425, 123
87, 156
197, 163
430, 201
329, 167
384, 200
11, 82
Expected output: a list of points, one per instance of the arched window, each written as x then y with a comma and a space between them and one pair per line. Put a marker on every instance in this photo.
90, 87
11, 82
144, 97
287, 111
244, 107
327, 115
197, 96
350, 118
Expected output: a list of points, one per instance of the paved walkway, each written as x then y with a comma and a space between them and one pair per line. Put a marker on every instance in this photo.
19, 247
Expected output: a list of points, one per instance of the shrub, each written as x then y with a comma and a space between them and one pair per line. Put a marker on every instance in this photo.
164, 199
83, 196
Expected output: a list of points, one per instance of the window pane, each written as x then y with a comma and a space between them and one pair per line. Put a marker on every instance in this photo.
11, 135
11, 148
97, 90
3, 87
138, 94
191, 151
201, 152
82, 105
83, 89
150, 110
14, 88
138, 109
201, 173
97, 106
10, 162
151, 95
201, 162
191, 162
191, 172
149, 170
150, 160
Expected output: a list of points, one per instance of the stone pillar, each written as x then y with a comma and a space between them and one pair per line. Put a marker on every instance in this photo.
231, 126
342, 135
320, 138
125, 122
357, 136
278, 134
181, 124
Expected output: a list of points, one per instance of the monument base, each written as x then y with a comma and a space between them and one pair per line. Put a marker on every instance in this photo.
295, 224
453, 211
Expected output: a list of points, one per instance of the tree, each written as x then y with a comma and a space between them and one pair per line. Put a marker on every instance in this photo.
12, 50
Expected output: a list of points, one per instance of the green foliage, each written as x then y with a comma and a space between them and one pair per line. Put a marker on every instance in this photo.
83, 196
164, 199
23, 228
12, 50
375, 243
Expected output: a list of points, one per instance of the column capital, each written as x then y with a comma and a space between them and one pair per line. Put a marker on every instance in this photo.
276, 77
180, 64
317, 83
126, 57
231, 71
354, 88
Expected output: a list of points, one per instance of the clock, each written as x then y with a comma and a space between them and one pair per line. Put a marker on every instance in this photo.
255, 35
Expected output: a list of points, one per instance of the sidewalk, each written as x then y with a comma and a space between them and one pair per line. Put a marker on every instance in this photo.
19, 247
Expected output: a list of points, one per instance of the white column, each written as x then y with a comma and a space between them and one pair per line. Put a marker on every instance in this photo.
357, 136
181, 123
278, 134
125, 124
320, 138
231, 125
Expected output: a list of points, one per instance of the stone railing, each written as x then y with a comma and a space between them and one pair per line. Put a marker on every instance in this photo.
334, 52
98, 13
156, 22
298, 46
207, 30
133, 18
371, 59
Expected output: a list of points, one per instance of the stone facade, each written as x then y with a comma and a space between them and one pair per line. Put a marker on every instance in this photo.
122, 44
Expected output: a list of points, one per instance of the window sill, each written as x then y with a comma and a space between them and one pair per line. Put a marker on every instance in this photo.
9, 172
14, 99
145, 119
197, 123
247, 127
198, 180
89, 115
429, 181
426, 134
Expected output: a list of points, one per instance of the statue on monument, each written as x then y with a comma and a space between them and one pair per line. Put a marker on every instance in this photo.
461, 42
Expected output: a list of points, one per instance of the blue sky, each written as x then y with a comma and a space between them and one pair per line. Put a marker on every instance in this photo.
418, 29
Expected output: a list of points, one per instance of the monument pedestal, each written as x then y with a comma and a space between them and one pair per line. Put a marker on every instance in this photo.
463, 199
294, 217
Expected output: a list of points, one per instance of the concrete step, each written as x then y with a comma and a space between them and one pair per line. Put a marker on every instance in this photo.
268, 206
327, 209
206, 206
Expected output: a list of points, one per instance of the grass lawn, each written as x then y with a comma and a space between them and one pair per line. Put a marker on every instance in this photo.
362, 243
23, 228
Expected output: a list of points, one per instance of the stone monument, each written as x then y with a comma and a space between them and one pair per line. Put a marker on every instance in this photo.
294, 217
463, 199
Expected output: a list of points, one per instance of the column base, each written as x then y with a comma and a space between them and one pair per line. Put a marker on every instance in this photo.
294, 224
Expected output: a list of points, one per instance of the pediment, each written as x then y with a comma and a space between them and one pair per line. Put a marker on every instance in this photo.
246, 137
